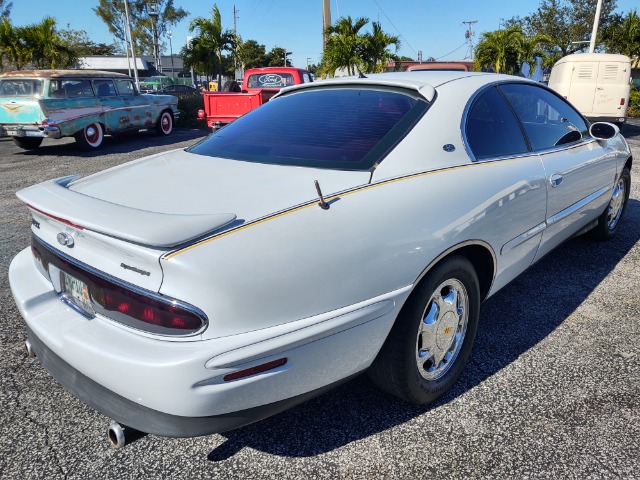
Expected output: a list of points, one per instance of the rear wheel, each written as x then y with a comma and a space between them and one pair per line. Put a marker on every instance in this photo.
90, 137
609, 221
165, 124
27, 143
432, 337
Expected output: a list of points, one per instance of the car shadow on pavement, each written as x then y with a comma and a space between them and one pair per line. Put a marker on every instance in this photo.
120, 143
631, 129
511, 322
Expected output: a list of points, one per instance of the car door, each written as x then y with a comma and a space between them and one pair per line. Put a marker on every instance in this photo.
114, 115
579, 170
493, 134
136, 105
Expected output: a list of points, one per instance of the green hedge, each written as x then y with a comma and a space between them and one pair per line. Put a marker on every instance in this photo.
189, 106
634, 104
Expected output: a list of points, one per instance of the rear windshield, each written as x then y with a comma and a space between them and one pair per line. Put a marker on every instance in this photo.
270, 80
21, 87
337, 128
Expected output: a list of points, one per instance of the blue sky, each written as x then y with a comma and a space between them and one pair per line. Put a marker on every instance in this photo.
433, 27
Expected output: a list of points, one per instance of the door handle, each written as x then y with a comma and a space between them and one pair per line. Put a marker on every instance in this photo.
556, 179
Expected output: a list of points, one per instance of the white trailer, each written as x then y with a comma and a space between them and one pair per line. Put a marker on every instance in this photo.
597, 84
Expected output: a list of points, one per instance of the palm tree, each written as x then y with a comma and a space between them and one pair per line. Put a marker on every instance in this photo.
212, 36
530, 49
375, 48
344, 44
500, 50
44, 47
11, 46
624, 37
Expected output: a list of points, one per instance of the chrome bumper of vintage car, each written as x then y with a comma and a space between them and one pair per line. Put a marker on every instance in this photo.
42, 131
182, 388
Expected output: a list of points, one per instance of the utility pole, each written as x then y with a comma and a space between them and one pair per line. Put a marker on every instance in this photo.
125, 35
326, 21
594, 32
469, 34
133, 50
235, 41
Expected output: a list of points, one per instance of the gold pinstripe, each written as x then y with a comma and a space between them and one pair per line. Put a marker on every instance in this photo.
274, 216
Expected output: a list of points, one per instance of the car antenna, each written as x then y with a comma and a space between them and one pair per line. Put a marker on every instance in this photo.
323, 205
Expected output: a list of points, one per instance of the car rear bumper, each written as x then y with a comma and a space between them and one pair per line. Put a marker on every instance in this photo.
145, 419
177, 387
43, 131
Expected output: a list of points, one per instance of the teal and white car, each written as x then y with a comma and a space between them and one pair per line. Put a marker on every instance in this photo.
39, 104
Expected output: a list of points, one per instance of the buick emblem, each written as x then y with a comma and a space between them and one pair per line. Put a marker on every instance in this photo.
65, 239
448, 148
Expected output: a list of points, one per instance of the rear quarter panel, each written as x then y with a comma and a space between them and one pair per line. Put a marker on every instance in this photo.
371, 241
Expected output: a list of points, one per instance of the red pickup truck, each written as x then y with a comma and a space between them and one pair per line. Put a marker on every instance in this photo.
258, 86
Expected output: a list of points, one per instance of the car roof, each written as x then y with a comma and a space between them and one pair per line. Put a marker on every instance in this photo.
62, 73
425, 82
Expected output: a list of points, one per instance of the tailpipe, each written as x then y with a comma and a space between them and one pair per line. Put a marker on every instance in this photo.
121, 435
31, 353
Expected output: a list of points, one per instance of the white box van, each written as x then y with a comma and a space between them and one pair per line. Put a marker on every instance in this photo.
597, 84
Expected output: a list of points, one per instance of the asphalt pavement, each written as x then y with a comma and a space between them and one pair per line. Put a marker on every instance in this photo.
551, 390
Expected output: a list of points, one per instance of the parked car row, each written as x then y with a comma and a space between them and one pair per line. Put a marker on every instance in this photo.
345, 226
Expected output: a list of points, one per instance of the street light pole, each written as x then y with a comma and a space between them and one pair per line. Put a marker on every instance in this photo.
308, 58
594, 32
170, 36
152, 10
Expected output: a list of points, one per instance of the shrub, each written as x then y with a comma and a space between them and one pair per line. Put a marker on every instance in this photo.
634, 104
189, 106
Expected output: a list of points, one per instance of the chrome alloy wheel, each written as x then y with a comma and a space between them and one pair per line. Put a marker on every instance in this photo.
442, 329
616, 204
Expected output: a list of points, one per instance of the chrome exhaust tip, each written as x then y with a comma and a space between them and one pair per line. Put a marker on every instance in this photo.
115, 432
30, 351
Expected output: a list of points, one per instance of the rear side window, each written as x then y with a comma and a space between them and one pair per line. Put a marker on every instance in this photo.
105, 88
548, 120
339, 128
125, 87
70, 88
492, 129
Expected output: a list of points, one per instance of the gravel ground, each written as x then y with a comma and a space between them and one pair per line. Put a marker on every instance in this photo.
551, 390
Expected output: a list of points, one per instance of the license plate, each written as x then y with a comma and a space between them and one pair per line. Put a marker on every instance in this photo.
77, 293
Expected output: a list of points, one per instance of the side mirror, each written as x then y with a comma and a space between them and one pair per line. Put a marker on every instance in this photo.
603, 130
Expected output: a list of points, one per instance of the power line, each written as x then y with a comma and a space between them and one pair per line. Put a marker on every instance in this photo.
401, 36
453, 51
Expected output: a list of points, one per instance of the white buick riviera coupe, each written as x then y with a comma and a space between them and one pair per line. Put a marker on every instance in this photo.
347, 226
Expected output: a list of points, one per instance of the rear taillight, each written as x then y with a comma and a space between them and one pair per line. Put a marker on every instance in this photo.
201, 115
48, 122
121, 301
622, 100
117, 302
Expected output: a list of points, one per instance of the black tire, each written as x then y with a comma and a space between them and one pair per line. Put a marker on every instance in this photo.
231, 86
90, 137
164, 126
442, 312
28, 143
609, 221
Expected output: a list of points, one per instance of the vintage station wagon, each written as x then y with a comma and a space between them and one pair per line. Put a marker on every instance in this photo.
40, 104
